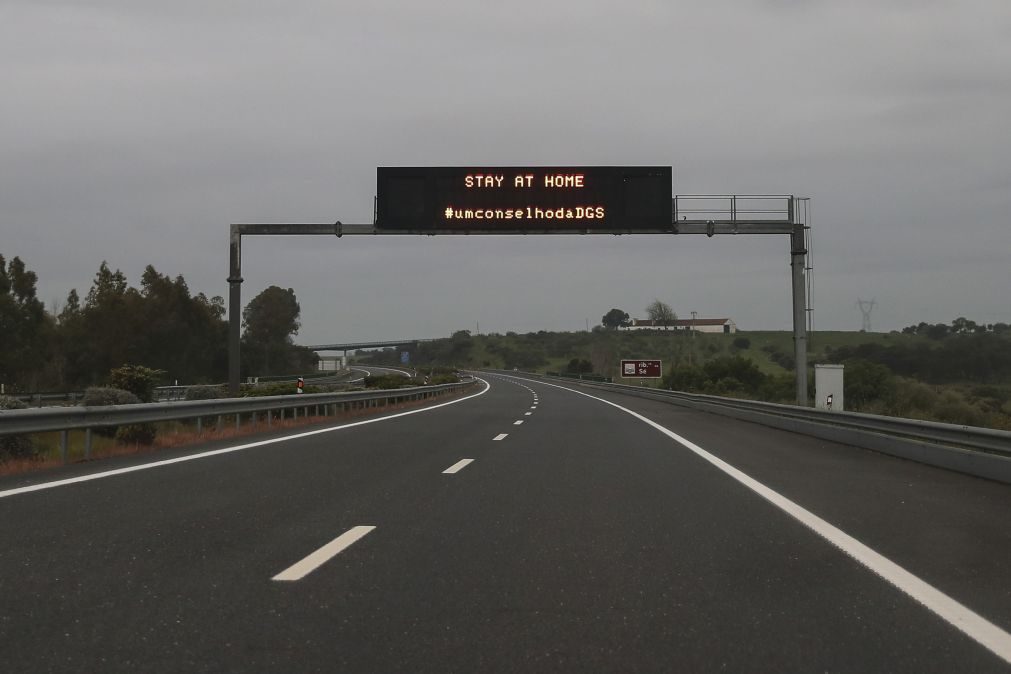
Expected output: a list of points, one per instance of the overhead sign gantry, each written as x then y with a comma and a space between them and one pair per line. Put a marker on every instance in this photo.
550, 200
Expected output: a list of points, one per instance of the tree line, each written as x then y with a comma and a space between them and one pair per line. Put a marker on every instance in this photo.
964, 352
160, 325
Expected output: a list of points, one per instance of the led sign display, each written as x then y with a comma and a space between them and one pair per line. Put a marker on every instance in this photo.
524, 198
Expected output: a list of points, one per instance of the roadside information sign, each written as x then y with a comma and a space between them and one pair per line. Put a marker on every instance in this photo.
641, 369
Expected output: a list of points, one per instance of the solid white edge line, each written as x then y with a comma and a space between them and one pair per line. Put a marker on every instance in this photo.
458, 466
501, 436
227, 450
304, 567
959, 616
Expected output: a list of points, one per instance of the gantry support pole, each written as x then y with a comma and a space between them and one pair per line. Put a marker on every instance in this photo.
798, 262
234, 307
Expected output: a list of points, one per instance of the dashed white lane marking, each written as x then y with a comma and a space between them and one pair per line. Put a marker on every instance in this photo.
533, 407
501, 436
959, 616
300, 570
527, 414
517, 423
227, 450
458, 466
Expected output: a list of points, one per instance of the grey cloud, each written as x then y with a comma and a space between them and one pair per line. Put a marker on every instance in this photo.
135, 132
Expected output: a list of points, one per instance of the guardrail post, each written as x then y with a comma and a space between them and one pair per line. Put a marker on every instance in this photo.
200, 426
87, 443
63, 445
238, 421
269, 415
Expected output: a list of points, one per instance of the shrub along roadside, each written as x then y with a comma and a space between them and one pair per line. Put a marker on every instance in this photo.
732, 376
15, 446
97, 396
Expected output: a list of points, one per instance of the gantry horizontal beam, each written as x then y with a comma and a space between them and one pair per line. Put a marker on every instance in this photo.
709, 227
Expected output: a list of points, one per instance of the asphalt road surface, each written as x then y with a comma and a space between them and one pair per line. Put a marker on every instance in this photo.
529, 527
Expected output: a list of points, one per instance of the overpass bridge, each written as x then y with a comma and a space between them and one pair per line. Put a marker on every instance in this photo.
353, 346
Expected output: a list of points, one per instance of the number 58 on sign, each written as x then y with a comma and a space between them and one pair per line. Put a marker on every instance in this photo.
642, 369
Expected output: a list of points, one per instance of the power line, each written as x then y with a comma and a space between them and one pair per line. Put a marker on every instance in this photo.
866, 308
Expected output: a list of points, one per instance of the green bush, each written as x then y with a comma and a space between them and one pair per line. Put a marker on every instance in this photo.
953, 409
690, 379
136, 379
784, 360
204, 393
15, 446
779, 389
136, 434
866, 382
725, 386
912, 398
387, 381
742, 343
102, 396
281, 388
740, 369
579, 365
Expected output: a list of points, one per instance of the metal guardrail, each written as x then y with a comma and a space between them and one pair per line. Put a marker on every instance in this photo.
983, 452
178, 392
48, 399
965, 437
65, 419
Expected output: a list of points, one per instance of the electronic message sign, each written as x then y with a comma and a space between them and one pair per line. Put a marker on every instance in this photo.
524, 198
644, 369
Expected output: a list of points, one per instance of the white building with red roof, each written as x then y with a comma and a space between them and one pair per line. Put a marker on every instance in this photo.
711, 325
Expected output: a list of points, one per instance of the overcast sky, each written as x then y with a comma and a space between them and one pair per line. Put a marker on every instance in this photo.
135, 132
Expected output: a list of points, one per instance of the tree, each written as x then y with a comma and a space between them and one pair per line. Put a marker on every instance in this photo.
270, 320
866, 382
102, 334
614, 319
183, 335
25, 329
963, 326
661, 313
579, 366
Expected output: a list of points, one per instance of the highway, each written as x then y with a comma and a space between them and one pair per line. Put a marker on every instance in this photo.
360, 372
527, 527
